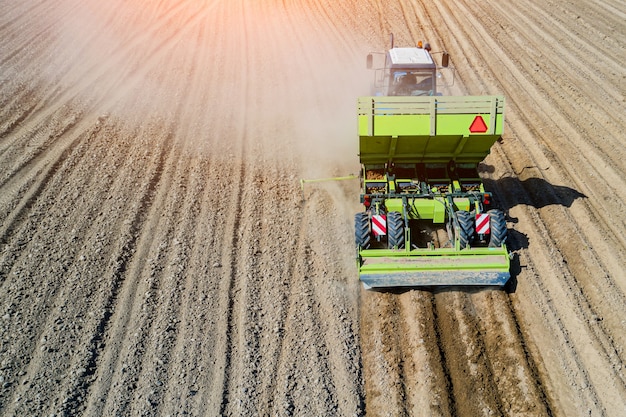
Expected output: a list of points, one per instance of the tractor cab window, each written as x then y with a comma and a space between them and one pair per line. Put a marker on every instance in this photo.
412, 83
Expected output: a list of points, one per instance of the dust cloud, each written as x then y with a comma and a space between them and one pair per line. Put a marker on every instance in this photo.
324, 90
297, 104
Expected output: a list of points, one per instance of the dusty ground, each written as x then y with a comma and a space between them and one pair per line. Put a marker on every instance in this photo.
156, 257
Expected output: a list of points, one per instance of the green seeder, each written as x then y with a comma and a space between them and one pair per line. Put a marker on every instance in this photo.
428, 220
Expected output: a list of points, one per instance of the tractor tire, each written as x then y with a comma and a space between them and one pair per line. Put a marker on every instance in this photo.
395, 230
499, 231
467, 228
362, 233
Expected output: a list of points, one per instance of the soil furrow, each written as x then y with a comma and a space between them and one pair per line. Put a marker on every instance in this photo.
381, 357
67, 318
56, 132
339, 375
283, 328
230, 332
518, 384
157, 371
467, 359
123, 286
21, 107
26, 195
427, 377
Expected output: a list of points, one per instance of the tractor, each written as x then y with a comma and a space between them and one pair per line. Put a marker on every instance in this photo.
427, 219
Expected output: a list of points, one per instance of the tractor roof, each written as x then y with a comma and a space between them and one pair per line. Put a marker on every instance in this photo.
409, 58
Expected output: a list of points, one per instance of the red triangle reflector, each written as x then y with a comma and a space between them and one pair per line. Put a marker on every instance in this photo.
478, 125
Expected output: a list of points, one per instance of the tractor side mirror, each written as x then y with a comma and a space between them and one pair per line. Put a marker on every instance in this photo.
445, 59
370, 61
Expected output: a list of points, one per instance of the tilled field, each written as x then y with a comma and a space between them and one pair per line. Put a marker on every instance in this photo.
157, 256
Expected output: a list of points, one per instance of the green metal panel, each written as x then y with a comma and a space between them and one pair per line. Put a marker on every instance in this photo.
402, 124
427, 129
439, 212
421, 208
414, 149
427, 267
394, 204
462, 204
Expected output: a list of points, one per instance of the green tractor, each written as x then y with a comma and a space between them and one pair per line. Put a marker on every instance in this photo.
427, 219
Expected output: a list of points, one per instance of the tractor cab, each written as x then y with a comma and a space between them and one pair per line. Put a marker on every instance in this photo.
410, 72
407, 72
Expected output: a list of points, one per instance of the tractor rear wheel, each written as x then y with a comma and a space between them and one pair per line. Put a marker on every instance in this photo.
499, 232
467, 228
362, 234
395, 230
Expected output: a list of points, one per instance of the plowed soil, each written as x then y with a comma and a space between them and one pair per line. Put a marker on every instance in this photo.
158, 256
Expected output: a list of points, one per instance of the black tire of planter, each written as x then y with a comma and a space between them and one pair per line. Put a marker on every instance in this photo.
362, 232
395, 230
467, 228
499, 231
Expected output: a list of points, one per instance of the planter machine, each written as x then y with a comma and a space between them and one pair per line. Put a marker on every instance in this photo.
427, 220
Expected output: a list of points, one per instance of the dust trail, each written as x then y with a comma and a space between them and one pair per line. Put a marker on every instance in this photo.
134, 61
